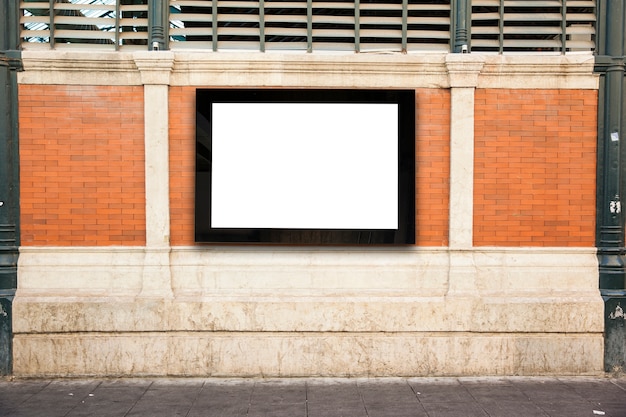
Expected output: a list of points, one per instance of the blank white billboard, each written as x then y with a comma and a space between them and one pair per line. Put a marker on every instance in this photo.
304, 165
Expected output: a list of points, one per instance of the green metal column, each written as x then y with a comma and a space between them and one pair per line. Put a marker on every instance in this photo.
461, 25
158, 24
611, 185
9, 181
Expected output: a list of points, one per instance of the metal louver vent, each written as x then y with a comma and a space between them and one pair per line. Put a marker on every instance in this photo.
326, 25
109, 24
533, 25
497, 26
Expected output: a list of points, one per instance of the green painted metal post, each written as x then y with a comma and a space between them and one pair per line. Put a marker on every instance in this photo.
611, 184
9, 176
158, 24
462, 23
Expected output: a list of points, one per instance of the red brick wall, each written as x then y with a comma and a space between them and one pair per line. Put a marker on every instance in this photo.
81, 165
182, 115
432, 170
535, 167
432, 167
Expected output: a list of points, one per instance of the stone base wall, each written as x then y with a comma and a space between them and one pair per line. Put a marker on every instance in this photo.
308, 312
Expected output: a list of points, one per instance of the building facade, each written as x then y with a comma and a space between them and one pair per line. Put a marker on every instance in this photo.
518, 224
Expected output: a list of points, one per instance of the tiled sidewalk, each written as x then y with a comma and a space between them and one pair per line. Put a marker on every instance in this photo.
316, 397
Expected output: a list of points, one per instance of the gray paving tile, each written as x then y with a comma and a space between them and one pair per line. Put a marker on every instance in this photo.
127, 382
512, 409
390, 399
597, 391
546, 389
334, 400
614, 409
493, 391
620, 382
567, 409
109, 401
222, 400
278, 399
14, 393
440, 390
167, 398
57, 398
454, 409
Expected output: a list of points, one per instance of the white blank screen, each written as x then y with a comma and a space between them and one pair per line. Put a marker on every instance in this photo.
304, 165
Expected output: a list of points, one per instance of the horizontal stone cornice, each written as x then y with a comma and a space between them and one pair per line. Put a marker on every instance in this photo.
309, 70
538, 71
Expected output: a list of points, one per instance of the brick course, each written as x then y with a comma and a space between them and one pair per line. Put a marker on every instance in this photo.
81, 165
535, 167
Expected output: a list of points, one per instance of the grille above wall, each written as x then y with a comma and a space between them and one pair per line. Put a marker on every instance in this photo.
533, 25
108, 24
497, 26
311, 25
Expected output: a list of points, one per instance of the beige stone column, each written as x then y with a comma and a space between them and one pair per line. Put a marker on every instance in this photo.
155, 68
463, 71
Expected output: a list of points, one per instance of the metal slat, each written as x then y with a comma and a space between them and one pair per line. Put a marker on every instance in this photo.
532, 17
532, 3
486, 3
84, 6
428, 34
580, 30
44, 33
84, 34
538, 30
198, 3
532, 43
84, 21
190, 31
428, 7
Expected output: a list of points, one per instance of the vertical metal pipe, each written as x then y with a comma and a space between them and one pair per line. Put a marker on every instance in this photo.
214, 25
462, 21
405, 20
611, 173
611, 158
51, 24
309, 26
158, 24
563, 26
262, 25
357, 25
10, 63
501, 28
117, 25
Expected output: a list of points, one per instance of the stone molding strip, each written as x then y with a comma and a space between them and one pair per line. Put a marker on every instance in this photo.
283, 70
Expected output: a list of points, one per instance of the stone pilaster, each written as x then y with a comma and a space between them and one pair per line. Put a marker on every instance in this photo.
155, 68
